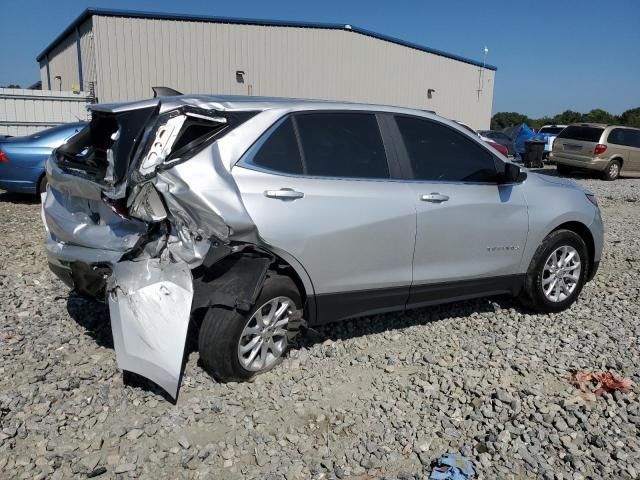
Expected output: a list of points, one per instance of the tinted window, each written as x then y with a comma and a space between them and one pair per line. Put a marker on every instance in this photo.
624, 136
342, 145
280, 151
551, 130
582, 133
635, 138
438, 152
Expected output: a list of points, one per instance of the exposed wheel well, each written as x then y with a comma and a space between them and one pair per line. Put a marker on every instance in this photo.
583, 231
39, 189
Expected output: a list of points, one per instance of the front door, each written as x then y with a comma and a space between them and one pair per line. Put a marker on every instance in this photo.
471, 232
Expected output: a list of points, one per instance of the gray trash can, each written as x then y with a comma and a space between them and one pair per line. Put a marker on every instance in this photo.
533, 153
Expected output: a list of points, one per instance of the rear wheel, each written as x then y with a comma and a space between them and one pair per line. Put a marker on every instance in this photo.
612, 171
235, 346
557, 272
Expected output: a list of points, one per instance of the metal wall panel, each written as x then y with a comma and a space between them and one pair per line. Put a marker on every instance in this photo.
23, 112
134, 54
87, 51
63, 62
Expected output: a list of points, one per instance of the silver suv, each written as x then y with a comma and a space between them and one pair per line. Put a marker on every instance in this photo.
264, 215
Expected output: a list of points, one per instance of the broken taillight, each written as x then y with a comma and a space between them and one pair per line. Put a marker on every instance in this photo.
3, 157
600, 148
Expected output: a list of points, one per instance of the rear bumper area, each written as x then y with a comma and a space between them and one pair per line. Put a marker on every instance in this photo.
589, 163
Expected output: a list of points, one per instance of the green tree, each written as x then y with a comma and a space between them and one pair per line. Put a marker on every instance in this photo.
631, 117
507, 119
597, 115
567, 117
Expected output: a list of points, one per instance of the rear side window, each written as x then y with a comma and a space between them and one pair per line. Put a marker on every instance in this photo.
280, 151
624, 136
439, 153
582, 133
347, 145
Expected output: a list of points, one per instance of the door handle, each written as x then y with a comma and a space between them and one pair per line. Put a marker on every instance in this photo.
283, 194
434, 197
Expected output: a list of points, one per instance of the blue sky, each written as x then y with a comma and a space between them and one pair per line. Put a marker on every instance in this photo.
551, 55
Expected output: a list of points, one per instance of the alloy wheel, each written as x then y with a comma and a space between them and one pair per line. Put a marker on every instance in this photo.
561, 273
264, 338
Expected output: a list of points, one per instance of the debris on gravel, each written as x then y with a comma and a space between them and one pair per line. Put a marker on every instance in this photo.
377, 397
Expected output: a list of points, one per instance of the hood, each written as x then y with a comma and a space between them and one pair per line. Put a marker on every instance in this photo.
566, 182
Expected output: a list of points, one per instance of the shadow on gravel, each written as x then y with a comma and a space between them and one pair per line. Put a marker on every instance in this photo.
93, 316
18, 198
359, 327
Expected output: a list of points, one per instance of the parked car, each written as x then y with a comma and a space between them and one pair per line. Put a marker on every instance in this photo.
496, 146
22, 158
499, 137
613, 150
548, 134
265, 214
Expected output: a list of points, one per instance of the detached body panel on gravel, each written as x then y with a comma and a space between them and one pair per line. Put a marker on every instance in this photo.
264, 211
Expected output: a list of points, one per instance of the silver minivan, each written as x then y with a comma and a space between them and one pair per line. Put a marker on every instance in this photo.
263, 215
612, 150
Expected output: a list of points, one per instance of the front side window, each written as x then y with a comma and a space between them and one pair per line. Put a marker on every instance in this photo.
439, 153
345, 145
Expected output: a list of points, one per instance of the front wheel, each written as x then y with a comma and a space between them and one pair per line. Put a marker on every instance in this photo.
235, 346
557, 272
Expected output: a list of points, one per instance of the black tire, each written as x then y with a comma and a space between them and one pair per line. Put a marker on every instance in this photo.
532, 294
221, 330
612, 172
42, 184
563, 169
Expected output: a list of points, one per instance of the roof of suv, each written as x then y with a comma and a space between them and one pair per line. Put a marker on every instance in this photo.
242, 102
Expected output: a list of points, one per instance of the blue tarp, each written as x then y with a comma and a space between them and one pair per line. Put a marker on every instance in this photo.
518, 135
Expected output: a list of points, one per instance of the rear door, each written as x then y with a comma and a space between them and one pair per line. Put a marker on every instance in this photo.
634, 151
318, 186
622, 143
470, 231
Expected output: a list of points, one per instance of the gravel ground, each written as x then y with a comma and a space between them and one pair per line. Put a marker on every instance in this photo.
379, 397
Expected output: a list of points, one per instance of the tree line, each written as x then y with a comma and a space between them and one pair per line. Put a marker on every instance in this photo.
630, 118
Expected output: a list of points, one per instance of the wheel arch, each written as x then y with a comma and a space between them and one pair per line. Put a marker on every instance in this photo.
234, 280
583, 232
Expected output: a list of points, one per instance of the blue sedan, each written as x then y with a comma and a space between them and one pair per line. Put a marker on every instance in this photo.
22, 158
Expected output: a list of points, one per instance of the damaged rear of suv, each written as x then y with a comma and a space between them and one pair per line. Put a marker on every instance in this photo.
260, 215
135, 217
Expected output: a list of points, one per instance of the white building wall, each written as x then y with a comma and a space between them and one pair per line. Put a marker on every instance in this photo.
133, 54
23, 112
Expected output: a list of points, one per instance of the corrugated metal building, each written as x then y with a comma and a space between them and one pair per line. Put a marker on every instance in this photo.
119, 55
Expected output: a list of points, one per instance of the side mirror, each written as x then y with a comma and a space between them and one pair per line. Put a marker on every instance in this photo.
512, 174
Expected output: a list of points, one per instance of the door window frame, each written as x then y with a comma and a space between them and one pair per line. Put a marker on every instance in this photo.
393, 163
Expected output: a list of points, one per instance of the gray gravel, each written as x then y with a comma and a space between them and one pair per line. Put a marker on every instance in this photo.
381, 396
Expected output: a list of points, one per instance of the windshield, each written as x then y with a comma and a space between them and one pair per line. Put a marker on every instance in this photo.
551, 130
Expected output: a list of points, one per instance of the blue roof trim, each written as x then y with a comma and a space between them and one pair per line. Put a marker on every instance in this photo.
107, 12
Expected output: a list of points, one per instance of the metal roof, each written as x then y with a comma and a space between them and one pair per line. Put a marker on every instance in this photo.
107, 12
